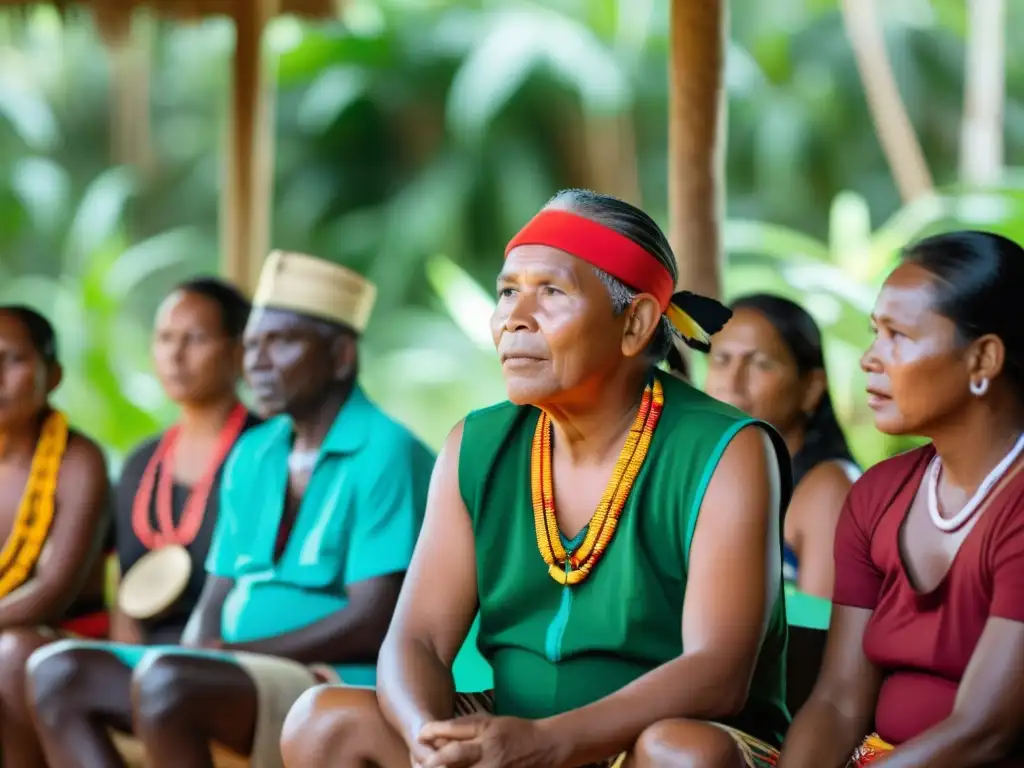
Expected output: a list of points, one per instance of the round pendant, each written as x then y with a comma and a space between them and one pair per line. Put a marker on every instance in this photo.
155, 582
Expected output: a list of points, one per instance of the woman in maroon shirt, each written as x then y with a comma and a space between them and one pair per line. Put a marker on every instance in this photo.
926, 645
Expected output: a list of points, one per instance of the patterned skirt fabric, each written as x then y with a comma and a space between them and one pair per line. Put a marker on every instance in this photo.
870, 750
756, 753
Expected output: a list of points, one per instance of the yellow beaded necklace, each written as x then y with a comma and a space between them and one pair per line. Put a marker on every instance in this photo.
572, 568
21, 551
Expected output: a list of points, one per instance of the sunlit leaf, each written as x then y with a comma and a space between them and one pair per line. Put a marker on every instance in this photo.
849, 233
780, 138
99, 215
43, 187
519, 41
329, 45
141, 261
742, 73
984, 210
27, 113
35, 291
823, 277
417, 221
772, 240
635, 21
906, 225
526, 181
364, 18
469, 305
329, 95
487, 79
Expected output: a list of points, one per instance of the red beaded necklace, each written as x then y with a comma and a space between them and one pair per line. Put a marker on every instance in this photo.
195, 508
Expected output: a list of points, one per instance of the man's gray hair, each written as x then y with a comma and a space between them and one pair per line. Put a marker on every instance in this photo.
622, 297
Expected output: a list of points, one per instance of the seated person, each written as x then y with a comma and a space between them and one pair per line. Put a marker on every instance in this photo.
927, 630
165, 503
167, 497
319, 510
768, 362
618, 530
54, 496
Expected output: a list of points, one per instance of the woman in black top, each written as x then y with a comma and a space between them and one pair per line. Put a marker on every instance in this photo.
197, 354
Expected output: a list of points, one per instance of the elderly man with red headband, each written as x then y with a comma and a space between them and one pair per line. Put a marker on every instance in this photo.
617, 531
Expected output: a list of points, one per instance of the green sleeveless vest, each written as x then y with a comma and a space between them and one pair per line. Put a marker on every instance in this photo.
555, 648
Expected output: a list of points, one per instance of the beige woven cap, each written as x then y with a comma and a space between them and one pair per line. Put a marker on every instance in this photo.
311, 286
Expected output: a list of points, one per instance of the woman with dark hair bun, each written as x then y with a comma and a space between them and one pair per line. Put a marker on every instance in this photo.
927, 631
166, 498
768, 361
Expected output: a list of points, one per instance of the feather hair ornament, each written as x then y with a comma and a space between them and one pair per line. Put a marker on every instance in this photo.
696, 319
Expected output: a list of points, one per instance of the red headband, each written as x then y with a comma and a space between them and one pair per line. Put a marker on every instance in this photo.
600, 246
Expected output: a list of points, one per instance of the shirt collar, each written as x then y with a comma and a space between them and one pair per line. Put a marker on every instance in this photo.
349, 431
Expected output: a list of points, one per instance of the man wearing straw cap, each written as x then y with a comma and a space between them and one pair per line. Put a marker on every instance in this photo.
320, 509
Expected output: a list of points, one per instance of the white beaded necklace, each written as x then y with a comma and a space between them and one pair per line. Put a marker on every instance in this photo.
961, 517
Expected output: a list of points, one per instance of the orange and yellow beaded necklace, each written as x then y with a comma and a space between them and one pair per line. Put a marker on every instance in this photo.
693, 318
573, 567
21, 551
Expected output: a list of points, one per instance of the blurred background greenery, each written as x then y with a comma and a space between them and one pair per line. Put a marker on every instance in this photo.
415, 136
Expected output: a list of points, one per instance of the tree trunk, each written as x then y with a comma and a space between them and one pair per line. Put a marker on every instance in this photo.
888, 112
981, 132
697, 141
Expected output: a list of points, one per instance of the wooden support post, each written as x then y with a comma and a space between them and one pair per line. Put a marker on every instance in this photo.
697, 141
130, 70
248, 188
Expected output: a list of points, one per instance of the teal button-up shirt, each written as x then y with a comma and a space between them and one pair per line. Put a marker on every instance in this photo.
359, 519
